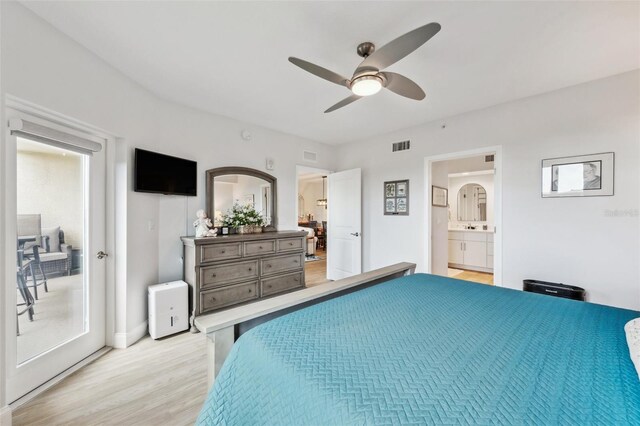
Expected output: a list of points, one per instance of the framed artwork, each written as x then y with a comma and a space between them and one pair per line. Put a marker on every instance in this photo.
396, 198
439, 196
579, 176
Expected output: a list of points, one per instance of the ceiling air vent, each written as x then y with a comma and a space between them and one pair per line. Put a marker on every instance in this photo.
401, 146
310, 156
489, 158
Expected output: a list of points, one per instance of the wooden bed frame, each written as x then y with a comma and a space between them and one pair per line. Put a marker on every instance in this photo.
222, 329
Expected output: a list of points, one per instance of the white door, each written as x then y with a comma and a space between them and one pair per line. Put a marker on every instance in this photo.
344, 223
57, 188
475, 253
456, 255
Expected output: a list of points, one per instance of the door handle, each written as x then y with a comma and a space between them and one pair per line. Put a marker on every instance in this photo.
355, 234
101, 255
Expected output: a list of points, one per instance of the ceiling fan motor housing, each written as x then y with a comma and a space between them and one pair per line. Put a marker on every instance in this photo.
366, 49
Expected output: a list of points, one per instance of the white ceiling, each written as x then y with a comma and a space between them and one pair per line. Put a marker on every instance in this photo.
230, 58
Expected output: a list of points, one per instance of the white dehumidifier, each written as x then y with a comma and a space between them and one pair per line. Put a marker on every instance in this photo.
168, 308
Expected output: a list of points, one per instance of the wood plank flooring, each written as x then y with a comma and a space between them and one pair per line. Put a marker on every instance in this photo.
477, 277
316, 272
153, 382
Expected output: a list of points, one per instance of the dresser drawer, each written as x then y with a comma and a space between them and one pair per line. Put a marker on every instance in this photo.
281, 283
275, 265
257, 248
226, 296
226, 251
214, 276
290, 244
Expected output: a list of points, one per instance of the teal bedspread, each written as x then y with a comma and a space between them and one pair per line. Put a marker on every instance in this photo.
425, 349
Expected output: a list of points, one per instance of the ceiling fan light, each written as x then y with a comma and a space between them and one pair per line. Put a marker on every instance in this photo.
366, 85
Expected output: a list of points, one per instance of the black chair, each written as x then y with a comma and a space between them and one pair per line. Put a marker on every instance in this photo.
28, 301
32, 267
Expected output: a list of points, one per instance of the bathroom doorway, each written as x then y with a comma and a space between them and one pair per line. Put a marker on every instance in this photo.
312, 205
464, 215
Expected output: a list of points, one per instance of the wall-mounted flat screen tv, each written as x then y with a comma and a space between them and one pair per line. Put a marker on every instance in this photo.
163, 174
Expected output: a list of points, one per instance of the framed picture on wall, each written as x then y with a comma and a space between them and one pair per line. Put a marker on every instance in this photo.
439, 196
579, 176
396, 198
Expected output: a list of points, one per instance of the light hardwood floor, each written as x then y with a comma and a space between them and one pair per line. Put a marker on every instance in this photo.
477, 277
161, 382
316, 272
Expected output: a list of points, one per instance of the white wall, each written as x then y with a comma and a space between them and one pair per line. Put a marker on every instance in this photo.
457, 182
572, 240
311, 190
440, 222
43, 66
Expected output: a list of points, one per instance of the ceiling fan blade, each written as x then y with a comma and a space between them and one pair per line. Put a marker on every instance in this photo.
344, 102
403, 86
397, 49
319, 71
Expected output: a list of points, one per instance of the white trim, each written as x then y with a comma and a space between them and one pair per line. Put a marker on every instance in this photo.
497, 240
124, 340
5, 415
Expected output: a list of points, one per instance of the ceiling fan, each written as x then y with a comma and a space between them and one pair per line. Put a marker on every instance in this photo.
368, 79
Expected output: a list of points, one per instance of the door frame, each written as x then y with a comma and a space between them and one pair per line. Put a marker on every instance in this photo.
497, 238
8, 225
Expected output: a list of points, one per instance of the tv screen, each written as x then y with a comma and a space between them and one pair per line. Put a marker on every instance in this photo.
164, 174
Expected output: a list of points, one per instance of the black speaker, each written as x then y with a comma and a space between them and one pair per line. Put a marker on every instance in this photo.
554, 289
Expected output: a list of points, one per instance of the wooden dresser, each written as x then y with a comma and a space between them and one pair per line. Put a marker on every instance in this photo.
227, 271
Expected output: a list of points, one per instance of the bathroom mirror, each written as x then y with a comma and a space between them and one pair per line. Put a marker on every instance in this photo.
472, 203
227, 186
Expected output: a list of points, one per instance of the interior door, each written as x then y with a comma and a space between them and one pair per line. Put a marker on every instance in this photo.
57, 188
344, 223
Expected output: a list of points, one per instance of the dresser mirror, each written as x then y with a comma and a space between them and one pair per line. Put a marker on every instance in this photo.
227, 186
472, 203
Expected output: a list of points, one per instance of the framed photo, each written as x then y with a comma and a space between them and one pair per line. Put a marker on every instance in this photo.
390, 206
401, 204
401, 189
439, 196
396, 198
389, 189
579, 176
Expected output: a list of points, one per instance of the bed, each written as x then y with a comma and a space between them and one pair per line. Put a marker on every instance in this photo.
425, 349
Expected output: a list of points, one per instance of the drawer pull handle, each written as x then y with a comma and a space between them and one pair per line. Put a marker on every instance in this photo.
290, 244
268, 265
213, 299
213, 275
296, 279
223, 251
269, 286
260, 247
249, 269
295, 261
249, 290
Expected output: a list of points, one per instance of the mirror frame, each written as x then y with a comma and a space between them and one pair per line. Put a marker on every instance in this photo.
247, 171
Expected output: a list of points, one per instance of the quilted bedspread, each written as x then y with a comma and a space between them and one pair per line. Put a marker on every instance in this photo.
425, 349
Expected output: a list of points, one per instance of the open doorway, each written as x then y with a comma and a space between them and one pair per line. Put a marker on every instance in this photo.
312, 217
464, 212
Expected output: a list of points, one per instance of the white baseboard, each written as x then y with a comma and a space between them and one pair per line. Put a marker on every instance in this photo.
5, 416
124, 340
